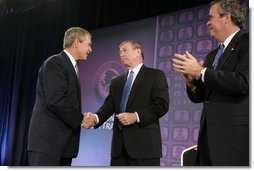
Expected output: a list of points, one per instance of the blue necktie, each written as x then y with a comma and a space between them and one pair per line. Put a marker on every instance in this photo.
126, 92
218, 55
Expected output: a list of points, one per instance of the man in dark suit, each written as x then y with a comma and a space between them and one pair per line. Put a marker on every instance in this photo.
222, 84
54, 131
136, 137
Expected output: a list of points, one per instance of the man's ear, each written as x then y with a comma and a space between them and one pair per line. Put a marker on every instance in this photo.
228, 18
139, 52
76, 42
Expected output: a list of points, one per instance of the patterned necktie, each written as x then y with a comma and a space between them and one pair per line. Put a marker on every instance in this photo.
76, 69
218, 55
126, 92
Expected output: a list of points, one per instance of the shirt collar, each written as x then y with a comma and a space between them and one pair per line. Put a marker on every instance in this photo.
73, 61
136, 69
227, 41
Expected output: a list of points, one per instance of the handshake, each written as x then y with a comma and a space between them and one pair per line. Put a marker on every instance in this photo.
89, 120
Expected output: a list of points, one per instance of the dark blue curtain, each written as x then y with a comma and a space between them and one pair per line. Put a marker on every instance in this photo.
25, 42
13, 7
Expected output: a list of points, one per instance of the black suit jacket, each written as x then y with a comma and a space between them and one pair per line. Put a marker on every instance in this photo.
225, 95
56, 118
149, 98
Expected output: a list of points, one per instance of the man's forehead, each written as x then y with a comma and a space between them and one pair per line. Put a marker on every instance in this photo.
125, 45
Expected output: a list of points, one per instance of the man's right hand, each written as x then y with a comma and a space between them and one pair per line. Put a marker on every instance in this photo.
89, 120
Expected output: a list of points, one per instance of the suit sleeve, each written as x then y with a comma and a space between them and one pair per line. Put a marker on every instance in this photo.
61, 94
198, 95
159, 101
107, 109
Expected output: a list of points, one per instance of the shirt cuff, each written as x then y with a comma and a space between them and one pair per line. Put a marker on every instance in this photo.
97, 118
193, 89
137, 117
203, 75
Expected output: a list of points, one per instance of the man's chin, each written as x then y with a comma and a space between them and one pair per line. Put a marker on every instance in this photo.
84, 58
126, 65
212, 36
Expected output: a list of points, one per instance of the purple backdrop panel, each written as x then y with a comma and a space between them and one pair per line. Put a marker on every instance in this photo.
96, 72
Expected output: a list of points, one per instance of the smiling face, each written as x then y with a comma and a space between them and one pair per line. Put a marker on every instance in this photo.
216, 23
78, 42
83, 47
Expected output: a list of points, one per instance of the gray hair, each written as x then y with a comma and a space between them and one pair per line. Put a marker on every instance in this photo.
135, 44
74, 33
235, 7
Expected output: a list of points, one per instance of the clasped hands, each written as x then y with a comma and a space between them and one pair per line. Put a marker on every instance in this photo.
126, 118
89, 120
188, 66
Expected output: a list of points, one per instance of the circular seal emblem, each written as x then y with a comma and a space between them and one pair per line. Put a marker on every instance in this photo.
104, 75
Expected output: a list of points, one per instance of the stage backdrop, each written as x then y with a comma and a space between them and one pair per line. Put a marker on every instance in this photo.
161, 37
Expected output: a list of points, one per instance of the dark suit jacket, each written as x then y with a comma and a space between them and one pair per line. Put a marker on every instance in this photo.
56, 118
225, 95
149, 98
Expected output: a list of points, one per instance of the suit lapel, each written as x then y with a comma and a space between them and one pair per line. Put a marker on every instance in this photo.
139, 80
225, 56
210, 58
121, 84
230, 48
69, 64
72, 70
